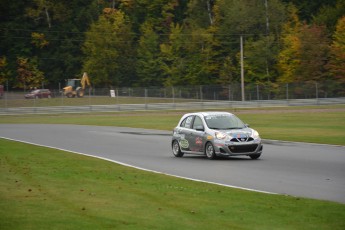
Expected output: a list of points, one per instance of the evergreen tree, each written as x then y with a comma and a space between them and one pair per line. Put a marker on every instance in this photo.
108, 50
149, 65
328, 15
173, 65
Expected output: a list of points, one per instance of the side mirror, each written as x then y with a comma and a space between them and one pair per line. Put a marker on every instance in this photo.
247, 125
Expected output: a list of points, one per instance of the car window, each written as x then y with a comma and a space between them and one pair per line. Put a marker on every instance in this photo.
197, 123
186, 123
224, 121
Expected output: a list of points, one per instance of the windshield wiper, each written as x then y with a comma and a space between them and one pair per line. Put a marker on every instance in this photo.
234, 128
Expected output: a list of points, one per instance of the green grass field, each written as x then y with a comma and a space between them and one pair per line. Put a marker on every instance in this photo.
42, 188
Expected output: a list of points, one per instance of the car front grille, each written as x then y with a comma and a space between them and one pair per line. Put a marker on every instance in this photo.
243, 148
242, 139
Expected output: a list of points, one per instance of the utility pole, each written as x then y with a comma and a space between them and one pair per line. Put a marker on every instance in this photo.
267, 39
209, 10
267, 20
242, 70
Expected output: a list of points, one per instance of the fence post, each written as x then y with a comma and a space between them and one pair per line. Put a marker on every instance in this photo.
117, 99
287, 93
257, 92
6, 96
317, 93
173, 94
201, 96
229, 91
62, 97
145, 99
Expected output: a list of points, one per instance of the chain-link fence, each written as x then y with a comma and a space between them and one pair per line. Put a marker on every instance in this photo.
232, 92
171, 97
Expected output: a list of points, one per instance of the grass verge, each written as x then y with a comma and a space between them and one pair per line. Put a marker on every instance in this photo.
42, 188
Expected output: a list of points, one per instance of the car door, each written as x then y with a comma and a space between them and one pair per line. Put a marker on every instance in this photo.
184, 133
195, 135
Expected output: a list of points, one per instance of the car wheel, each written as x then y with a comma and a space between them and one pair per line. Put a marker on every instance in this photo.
255, 156
176, 149
209, 151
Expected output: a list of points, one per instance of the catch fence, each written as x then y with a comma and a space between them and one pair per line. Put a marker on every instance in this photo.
177, 97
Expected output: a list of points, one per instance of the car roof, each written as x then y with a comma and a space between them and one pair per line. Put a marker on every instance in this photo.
208, 113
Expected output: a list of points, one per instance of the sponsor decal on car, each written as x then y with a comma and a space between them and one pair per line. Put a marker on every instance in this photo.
184, 143
198, 141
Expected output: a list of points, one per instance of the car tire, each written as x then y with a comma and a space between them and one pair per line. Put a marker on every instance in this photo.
176, 149
255, 156
209, 151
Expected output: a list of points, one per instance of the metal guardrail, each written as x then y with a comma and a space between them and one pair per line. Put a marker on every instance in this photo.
202, 105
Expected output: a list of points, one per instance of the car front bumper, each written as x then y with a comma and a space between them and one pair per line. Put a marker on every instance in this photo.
238, 148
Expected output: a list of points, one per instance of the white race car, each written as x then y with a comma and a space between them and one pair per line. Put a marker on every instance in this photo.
215, 134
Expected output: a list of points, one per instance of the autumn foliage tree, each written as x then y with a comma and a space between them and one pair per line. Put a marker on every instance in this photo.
28, 74
4, 71
336, 64
289, 58
314, 49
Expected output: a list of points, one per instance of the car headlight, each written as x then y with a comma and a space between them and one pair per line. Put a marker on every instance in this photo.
255, 134
221, 136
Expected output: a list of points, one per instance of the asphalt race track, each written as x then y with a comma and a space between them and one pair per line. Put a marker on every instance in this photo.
303, 170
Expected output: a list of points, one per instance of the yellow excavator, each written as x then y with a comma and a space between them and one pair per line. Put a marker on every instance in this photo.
76, 87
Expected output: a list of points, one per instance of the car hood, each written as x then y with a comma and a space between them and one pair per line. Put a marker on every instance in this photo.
236, 132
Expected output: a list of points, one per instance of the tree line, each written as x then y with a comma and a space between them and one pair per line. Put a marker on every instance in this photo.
171, 42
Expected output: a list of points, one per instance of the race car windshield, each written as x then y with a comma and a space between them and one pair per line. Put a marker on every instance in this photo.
224, 121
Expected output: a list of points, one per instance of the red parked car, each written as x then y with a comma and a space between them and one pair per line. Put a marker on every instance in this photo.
38, 93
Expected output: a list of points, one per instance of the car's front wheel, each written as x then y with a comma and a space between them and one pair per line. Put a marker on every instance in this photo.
209, 151
176, 149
